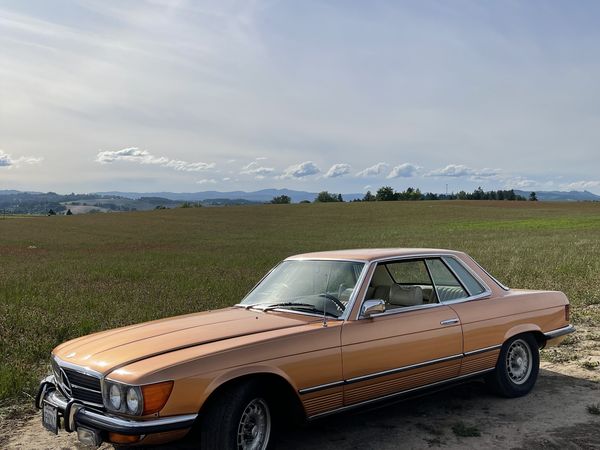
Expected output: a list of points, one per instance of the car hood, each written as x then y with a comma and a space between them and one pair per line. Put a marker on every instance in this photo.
108, 350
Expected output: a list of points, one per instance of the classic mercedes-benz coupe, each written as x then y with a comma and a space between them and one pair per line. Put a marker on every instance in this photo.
320, 333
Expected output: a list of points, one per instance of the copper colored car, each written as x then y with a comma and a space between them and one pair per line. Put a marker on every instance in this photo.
319, 334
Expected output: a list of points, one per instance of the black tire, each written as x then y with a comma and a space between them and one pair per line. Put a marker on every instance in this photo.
222, 420
517, 367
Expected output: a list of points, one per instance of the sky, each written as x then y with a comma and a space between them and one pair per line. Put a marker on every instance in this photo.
345, 96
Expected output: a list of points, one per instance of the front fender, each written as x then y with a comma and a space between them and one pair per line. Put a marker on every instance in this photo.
239, 372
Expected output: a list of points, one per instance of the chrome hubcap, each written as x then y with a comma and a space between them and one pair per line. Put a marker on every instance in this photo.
255, 426
518, 361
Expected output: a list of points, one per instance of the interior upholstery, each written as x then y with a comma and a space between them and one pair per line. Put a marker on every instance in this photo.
451, 292
405, 295
382, 292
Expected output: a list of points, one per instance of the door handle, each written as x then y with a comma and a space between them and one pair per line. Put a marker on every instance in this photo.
449, 321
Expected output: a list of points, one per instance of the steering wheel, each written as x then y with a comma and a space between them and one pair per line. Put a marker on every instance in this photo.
339, 305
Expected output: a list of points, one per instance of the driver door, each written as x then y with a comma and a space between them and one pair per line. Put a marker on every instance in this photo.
416, 342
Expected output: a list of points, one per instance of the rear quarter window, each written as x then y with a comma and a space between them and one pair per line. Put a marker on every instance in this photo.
472, 285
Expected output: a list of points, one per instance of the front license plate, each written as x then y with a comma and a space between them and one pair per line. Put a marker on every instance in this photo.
50, 417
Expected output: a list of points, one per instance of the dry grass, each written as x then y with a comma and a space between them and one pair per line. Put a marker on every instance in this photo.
62, 277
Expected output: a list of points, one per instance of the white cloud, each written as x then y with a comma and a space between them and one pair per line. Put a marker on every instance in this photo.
519, 183
7, 161
134, 154
338, 170
301, 170
373, 171
580, 185
258, 171
459, 170
207, 181
405, 170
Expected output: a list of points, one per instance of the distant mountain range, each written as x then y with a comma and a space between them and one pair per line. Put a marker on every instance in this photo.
561, 196
264, 195
29, 202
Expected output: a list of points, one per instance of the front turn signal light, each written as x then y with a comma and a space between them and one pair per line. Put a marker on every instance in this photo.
156, 396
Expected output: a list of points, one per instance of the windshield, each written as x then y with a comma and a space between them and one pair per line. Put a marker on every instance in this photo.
319, 287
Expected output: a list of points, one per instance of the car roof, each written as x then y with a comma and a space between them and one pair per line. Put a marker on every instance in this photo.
370, 254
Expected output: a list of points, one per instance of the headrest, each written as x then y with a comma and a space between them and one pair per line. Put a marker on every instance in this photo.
406, 295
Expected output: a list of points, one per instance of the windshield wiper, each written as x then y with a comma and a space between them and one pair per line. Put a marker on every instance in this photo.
296, 305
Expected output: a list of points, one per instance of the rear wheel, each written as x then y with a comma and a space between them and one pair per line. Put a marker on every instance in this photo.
240, 418
517, 367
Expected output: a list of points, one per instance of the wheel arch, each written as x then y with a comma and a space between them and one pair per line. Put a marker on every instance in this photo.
275, 379
526, 328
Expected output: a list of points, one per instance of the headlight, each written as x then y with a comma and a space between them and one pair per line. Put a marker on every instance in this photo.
133, 399
136, 400
115, 397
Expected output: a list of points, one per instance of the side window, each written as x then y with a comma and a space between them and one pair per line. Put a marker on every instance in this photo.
402, 283
409, 272
448, 287
472, 285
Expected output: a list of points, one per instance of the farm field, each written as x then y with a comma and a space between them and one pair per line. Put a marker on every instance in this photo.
65, 276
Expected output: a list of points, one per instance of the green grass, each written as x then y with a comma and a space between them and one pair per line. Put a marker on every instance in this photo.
94, 272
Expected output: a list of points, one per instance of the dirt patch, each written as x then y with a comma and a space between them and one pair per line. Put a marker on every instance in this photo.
553, 416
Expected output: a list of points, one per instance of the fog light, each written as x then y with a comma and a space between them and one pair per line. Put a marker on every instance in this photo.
89, 437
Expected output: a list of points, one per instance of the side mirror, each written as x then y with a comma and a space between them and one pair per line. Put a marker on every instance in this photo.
371, 307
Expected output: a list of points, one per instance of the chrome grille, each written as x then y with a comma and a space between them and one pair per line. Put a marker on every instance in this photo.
78, 384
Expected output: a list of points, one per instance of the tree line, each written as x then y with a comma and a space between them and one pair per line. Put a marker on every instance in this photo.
389, 194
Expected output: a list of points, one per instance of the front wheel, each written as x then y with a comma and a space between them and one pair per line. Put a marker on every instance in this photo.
239, 419
517, 367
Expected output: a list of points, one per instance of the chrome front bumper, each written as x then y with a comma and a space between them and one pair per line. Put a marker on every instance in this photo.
75, 413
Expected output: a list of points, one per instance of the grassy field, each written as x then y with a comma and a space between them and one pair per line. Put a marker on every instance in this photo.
65, 276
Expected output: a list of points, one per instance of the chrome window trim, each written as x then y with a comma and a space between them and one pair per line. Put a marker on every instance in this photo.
357, 288
402, 309
441, 255
493, 278
293, 258
486, 288
396, 394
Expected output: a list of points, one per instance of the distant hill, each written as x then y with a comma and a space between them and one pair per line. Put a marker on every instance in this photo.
264, 195
561, 196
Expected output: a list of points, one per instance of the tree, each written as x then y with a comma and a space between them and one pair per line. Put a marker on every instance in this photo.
340, 198
385, 194
281, 200
51, 213
326, 197
368, 197
533, 197
69, 213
